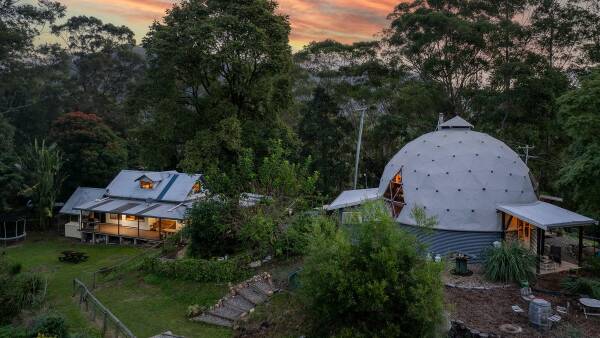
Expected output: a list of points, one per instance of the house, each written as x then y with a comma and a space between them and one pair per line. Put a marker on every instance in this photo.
477, 187
136, 206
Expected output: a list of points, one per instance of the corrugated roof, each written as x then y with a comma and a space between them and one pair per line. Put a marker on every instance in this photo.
350, 198
545, 215
80, 196
126, 207
170, 186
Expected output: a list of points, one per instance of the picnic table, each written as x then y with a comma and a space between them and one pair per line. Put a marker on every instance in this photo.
591, 307
73, 257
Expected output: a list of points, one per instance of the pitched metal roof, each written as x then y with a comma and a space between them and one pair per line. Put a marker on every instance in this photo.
142, 209
80, 196
545, 215
170, 186
350, 198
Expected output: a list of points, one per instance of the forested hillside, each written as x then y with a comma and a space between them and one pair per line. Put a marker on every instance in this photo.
215, 84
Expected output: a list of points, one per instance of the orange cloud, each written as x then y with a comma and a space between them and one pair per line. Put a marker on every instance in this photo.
311, 20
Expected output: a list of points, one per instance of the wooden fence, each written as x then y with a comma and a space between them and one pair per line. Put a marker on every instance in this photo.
111, 326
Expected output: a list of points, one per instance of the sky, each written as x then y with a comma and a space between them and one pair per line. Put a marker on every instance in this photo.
312, 20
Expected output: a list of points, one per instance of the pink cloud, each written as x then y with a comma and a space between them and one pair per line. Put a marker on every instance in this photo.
311, 20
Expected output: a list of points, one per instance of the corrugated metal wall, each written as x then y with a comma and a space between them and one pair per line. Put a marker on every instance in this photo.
444, 242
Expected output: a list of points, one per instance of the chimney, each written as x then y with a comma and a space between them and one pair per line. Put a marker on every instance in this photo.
440, 121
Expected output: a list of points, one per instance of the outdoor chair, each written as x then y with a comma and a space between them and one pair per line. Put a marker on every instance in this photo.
554, 320
563, 310
526, 294
556, 254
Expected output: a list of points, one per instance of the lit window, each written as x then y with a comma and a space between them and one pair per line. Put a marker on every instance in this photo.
146, 184
197, 187
131, 218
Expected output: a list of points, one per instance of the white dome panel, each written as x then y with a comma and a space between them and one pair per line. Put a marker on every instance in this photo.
460, 176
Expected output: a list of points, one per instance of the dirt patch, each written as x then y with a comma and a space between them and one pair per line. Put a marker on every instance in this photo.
487, 310
476, 280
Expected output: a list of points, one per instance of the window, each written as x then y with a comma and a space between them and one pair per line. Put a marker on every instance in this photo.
145, 184
197, 187
394, 194
113, 216
131, 218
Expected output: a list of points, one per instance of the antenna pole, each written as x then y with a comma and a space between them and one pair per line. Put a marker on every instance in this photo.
358, 145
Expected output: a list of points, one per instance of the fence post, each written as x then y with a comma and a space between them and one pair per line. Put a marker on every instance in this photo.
104, 323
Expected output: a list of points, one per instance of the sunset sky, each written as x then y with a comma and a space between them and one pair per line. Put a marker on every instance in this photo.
312, 20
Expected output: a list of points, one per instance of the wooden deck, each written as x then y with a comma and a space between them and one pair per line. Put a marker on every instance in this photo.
123, 231
563, 267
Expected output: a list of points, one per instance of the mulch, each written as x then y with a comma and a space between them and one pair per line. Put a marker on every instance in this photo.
486, 310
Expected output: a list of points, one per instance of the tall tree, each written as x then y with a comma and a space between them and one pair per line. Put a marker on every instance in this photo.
107, 65
324, 132
93, 153
214, 66
580, 120
443, 41
10, 177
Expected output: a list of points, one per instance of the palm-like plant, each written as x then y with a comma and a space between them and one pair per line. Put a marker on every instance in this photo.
42, 165
510, 262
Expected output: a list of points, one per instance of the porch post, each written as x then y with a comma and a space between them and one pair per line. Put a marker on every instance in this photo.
538, 243
119, 224
503, 226
159, 228
580, 251
138, 219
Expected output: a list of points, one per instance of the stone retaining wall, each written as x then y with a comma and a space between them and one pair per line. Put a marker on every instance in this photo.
458, 329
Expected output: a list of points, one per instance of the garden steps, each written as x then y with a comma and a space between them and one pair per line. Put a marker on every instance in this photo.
241, 300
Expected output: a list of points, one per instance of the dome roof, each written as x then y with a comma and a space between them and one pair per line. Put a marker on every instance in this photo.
460, 176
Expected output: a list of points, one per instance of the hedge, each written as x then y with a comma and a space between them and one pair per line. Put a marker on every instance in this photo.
199, 270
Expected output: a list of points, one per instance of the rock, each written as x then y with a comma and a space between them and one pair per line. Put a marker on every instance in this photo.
255, 264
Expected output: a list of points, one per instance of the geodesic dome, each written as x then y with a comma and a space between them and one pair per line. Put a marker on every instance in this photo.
459, 176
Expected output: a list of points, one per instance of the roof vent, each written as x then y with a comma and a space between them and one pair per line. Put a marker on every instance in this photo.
456, 122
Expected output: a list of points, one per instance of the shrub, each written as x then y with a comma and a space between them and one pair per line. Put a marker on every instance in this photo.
511, 262
199, 270
298, 236
374, 285
10, 331
582, 286
592, 265
51, 325
15, 268
209, 229
259, 234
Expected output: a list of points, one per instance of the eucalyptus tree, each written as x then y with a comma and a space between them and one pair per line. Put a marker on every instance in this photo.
106, 66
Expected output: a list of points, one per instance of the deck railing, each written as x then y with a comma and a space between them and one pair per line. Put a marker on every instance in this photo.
111, 326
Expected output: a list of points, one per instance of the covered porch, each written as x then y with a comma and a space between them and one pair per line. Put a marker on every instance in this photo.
539, 225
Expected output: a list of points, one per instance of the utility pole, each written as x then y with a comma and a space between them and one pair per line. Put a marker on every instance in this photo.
527, 148
358, 144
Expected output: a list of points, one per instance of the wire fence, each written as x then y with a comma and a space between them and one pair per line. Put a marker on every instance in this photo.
110, 325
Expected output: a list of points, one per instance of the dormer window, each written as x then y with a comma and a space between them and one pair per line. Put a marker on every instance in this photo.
146, 184
197, 188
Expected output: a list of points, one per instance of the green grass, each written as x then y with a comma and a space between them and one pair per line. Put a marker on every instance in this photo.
150, 304
147, 305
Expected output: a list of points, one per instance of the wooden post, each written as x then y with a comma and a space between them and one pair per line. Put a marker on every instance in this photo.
503, 226
538, 242
119, 224
159, 228
138, 221
580, 251
104, 324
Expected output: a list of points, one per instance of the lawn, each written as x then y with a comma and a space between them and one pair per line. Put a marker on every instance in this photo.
146, 304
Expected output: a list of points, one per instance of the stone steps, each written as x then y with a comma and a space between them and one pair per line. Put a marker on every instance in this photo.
241, 301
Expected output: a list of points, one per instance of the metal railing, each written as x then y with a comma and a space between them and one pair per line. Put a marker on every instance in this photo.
111, 326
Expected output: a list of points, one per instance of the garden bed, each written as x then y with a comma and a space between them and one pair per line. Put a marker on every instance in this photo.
486, 310
474, 281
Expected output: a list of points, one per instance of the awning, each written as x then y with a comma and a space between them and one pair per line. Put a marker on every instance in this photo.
351, 198
545, 215
137, 208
